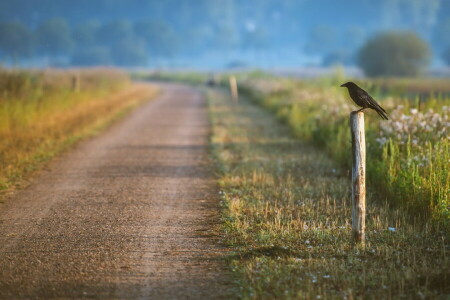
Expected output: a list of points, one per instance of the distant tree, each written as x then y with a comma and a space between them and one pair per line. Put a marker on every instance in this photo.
85, 34
394, 54
322, 39
446, 56
92, 56
54, 37
115, 32
159, 37
16, 40
129, 53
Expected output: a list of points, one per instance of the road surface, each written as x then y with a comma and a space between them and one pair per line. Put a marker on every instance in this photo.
130, 214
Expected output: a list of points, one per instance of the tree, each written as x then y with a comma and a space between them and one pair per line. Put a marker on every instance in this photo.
115, 32
54, 37
92, 56
85, 34
16, 40
394, 54
129, 53
158, 36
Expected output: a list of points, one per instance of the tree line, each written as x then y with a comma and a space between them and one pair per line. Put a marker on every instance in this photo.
119, 42
136, 43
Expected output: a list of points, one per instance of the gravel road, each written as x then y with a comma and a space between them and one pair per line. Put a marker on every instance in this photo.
130, 214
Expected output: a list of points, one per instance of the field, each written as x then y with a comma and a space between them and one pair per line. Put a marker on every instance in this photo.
282, 157
408, 155
286, 192
44, 112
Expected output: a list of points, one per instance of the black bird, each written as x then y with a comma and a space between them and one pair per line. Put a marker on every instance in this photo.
363, 99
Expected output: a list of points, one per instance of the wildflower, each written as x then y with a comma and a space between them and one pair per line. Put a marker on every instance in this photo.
381, 141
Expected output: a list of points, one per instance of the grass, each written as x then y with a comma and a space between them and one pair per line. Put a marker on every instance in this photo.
407, 156
44, 112
287, 216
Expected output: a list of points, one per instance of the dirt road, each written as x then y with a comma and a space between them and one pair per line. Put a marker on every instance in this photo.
129, 214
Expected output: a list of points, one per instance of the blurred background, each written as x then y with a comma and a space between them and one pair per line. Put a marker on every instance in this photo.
365, 36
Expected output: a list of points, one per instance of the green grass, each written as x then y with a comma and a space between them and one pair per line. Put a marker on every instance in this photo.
407, 156
43, 112
287, 216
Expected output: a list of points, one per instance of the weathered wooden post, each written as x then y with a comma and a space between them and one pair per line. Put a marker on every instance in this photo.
234, 88
358, 176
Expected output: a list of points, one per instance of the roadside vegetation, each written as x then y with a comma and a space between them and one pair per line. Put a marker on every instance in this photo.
408, 155
44, 112
287, 208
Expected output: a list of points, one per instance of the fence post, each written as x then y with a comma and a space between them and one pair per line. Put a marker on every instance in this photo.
234, 88
358, 176
76, 82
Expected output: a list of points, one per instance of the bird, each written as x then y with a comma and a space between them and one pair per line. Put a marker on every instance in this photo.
363, 99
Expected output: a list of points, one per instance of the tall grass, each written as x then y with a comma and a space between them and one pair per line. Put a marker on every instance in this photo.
287, 218
42, 112
408, 156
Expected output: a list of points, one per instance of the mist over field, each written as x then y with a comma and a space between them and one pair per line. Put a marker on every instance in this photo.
212, 34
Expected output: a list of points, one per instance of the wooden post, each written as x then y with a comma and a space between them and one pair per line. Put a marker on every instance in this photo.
234, 88
358, 176
76, 82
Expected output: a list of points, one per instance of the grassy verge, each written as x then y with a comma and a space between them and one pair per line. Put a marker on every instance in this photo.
407, 156
43, 113
287, 216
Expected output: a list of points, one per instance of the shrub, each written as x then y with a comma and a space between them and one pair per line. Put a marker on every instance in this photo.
394, 54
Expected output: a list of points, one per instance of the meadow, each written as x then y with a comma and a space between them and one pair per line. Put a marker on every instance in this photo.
44, 112
286, 207
408, 155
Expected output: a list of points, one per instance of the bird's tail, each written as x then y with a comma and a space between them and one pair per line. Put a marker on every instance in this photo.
382, 113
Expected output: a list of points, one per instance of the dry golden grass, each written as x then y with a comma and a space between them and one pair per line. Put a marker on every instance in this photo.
287, 215
42, 113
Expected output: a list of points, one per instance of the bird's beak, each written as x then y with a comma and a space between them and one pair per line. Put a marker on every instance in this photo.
343, 85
